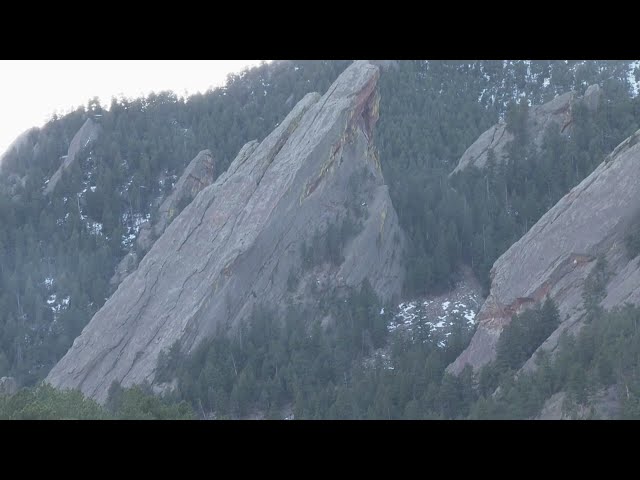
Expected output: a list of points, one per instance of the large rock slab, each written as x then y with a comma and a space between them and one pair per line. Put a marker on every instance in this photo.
555, 256
199, 174
238, 242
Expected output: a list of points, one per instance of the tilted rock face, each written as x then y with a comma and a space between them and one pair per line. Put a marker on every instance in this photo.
498, 137
199, 174
88, 133
235, 245
127, 265
557, 254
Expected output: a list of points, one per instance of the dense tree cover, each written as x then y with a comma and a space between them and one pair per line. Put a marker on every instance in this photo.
480, 213
632, 241
271, 361
278, 368
518, 341
595, 288
430, 113
44, 402
604, 354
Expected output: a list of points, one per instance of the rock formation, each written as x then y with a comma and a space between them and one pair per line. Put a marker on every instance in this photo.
235, 246
555, 256
558, 110
88, 133
199, 174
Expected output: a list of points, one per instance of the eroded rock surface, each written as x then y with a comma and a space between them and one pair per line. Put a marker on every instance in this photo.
236, 245
555, 256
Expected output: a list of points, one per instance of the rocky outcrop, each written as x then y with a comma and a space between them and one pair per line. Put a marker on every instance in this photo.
555, 256
199, 174
237, 244
88, 133
8, 386
497, 138
127, 265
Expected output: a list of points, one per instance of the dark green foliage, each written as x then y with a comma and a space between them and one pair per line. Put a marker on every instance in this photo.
271, 362
525, 334
595, 288
139, 403
44, 402
475, 218
632, 241
603, 355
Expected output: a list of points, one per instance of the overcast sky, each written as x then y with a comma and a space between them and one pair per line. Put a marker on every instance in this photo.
32, 90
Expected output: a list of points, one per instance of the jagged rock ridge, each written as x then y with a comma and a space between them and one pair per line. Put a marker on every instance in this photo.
555, 256
237, 243
558, 110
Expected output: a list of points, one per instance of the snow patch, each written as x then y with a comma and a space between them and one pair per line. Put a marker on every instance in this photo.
435, 318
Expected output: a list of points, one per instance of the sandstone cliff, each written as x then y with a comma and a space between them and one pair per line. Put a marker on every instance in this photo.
558, 110
239, 241
555, 256
88, 133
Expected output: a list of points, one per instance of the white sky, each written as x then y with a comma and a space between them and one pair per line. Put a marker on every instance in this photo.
32, 90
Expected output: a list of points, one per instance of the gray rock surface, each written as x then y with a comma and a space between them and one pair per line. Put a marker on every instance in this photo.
555, 256
88, 133
498, 137
199, 174
127, 265
8, 386
592, 96
235, 245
